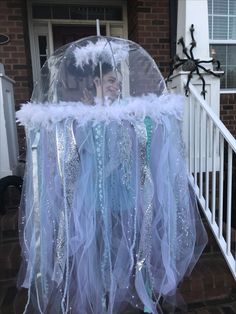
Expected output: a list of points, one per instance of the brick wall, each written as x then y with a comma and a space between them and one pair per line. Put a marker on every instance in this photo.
149, 26
15, 55
132, 20
228, 111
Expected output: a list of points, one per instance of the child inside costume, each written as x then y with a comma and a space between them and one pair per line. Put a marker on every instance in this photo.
108, 217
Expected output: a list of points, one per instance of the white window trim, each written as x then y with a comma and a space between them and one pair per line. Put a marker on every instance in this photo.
228, 91
224, 42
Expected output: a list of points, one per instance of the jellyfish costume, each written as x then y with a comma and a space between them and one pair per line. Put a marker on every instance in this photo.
108, 218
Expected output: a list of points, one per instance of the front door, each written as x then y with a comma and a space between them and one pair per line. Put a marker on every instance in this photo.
54, 25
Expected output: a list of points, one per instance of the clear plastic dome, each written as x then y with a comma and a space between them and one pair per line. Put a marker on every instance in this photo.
75, 72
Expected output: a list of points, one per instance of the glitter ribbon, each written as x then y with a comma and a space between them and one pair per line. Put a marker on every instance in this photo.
147, 192
37, 261
68, 164
106, 268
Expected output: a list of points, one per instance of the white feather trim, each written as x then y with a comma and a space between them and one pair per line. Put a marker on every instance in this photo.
103, 50
47, 114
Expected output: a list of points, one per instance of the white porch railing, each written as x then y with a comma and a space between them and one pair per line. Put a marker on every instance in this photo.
211, 150
8, 135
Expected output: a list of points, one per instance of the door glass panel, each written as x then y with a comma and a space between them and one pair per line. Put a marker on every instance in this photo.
96, 13
67, 33
77, 13
113, 13
41, 12
60, 12
42, 42
116, 31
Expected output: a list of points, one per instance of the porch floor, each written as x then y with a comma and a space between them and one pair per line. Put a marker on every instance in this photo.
210, 289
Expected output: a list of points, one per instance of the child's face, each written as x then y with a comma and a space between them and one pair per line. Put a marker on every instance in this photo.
111, 83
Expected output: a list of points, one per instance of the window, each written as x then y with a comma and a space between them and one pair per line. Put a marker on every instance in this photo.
71, 12
222, 34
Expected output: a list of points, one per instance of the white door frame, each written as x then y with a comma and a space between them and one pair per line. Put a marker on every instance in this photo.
43, 27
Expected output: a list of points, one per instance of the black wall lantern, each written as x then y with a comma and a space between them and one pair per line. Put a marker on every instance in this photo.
4, 39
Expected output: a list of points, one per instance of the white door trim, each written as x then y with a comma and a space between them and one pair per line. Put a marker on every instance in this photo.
44, 27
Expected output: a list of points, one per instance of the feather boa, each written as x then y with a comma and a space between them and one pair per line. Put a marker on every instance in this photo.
103, 50
34, 115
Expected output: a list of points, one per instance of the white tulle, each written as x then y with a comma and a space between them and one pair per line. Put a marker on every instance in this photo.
110, 219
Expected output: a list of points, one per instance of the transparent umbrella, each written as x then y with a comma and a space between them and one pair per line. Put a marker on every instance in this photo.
108, 220
73, 71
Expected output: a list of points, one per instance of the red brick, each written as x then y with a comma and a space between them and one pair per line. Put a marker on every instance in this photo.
21, 48
18, 55
9, 24
15, 29
3, 17
150, 16
159, 10
11, 61
8, 48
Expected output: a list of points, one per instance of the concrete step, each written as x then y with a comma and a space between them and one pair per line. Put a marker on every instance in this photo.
10, 257
210, 280
9, 221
